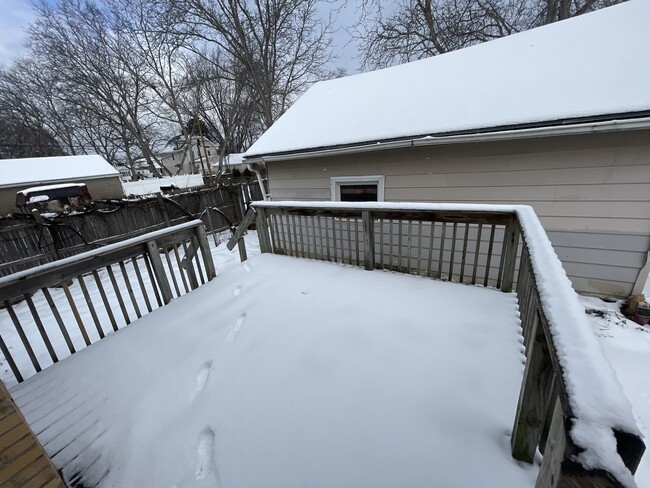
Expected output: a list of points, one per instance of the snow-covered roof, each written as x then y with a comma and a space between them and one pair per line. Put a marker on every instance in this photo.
589, 65
16, 172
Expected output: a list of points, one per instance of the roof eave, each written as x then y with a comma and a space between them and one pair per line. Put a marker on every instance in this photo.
559, 128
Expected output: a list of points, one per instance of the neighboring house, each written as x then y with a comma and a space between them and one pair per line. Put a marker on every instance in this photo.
557, 117
125, 172
101, 178
189, 158
231, 162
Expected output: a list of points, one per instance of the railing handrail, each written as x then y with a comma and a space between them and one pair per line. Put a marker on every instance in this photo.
48, 274
574, 359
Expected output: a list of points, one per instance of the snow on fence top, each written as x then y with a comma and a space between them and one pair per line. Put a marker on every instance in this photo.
508, 81
596, 397
15, 172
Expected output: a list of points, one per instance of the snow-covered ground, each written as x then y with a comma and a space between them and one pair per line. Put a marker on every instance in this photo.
285, 372
627, 347
241, 329
152, 185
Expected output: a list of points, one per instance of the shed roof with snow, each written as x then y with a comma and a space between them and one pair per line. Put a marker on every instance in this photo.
16, 172
591, 66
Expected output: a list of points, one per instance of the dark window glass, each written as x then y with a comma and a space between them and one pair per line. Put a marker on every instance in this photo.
359, 193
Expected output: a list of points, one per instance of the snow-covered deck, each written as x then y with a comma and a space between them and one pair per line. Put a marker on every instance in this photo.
290, 373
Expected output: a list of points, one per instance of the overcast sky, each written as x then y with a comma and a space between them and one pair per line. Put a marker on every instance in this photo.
15, 16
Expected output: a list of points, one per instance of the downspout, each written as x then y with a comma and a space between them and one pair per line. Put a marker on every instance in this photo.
260, 180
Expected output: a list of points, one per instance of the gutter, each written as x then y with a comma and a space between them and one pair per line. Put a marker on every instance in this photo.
253, 167
512, 134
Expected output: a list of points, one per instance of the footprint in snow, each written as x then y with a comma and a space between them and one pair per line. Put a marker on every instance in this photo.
234, 331
202, 377
204, 454
237, 291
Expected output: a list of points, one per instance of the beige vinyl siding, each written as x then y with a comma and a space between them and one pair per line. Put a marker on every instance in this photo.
595, 185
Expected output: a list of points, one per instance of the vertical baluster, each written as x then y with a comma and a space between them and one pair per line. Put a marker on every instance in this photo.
179, 266
327, 240
10, 360
489, 255
464, 257
171, 271
75, 313
107, 305
391, 237
302, 237
195, 263
143, 289
41, 329
129, 288
289, 226
23, 337
59, 320
400, 239
442, 249
118, 294
501, 261
409, 268
453, 252
419, 247
273, 233
381, 243
91, 307
349, 234
310, 231
356, 240
334, 239
477, 252
430, 257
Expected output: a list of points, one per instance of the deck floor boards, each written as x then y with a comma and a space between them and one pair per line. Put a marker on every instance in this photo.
285, 372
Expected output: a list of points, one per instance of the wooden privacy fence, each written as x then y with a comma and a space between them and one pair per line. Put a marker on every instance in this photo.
31, 240
85, 297
486, 246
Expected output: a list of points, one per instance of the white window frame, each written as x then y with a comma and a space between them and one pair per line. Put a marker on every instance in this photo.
337, 181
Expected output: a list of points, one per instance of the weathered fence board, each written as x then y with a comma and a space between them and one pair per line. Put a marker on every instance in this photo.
31, 240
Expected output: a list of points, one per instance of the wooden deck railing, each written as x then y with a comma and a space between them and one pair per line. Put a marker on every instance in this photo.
486, 246
106, 288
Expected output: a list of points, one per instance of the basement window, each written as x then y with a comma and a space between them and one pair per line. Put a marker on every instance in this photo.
357, 188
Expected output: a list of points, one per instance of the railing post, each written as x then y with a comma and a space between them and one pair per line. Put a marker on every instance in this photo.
263, 230
511, 241
205, 252
369, 239
159, 271
533, 396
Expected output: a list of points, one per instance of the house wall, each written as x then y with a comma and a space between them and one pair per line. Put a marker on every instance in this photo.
591, 192
99, 188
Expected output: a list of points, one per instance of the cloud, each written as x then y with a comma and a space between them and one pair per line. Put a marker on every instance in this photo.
15, 16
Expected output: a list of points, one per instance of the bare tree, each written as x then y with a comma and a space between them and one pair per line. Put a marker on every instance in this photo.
415, 29
281, 46
97, 71
220, 96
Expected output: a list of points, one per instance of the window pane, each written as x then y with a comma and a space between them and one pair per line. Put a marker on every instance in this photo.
359, 193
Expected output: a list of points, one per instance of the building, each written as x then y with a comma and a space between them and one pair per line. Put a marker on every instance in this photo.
101, 178
189, 158
557, 117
